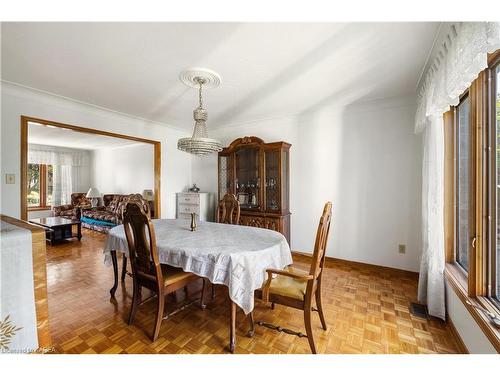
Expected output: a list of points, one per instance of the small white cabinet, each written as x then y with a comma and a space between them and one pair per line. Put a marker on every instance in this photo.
202, 204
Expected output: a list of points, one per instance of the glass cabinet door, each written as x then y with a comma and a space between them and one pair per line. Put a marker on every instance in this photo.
225, 175
273, 180
285, 175
247, 181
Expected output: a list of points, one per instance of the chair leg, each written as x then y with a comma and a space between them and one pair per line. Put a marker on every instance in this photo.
124, 267
307, 322
136, 296
159, 315
213, 292
319, 305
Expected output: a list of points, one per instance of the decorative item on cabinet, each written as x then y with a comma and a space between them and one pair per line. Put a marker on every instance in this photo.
194, 189
258, 173
202, 204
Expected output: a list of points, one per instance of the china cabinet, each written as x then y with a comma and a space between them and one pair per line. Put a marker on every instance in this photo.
258, 173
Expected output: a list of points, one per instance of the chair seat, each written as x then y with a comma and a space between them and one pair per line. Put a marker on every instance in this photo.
171, 274
289, 287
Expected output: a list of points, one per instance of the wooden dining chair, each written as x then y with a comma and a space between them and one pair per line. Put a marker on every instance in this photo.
147, 271
298, 288
228, 210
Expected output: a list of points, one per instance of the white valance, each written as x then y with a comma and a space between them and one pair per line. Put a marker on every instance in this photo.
462, 53
40, 154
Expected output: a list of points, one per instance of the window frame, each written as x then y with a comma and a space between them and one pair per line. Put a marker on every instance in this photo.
43, 189
472, 287
492, 261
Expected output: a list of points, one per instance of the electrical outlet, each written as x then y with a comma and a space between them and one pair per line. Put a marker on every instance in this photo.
10, 178
402, 248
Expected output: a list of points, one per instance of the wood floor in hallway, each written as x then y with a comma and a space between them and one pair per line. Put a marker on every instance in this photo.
367, 311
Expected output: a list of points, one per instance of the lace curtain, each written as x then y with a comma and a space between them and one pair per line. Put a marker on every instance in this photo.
67, 166
40, 154
460, 57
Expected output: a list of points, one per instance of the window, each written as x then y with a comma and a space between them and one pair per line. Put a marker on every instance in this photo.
40, 186
495, 248
463, 182
472, 197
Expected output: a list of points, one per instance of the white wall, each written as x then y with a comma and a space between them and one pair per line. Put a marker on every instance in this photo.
17, 101
365, 159
124, 170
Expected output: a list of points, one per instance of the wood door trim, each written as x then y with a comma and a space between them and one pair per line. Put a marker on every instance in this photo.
24, 157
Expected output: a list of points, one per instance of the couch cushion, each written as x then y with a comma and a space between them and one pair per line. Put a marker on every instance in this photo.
113, 205
102, 215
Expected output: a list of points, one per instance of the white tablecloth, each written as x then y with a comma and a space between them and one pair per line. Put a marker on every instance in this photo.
17, 293
233, 255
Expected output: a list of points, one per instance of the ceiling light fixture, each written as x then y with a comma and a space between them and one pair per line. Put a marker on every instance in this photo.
200, 143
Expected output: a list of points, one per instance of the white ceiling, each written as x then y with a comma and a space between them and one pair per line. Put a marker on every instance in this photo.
54, 136
268, 69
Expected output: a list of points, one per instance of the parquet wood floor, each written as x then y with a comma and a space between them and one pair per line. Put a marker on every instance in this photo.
367, 311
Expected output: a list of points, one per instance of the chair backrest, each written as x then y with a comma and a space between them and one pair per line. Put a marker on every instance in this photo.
80, 199
318, 259
132, 198
141, 241
228, 210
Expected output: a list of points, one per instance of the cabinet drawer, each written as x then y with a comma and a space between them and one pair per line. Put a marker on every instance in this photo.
188, 208
189, 198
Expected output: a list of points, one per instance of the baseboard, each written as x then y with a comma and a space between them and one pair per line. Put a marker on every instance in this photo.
462, 349
360, 264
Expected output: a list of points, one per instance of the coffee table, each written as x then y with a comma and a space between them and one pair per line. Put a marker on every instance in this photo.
58, 229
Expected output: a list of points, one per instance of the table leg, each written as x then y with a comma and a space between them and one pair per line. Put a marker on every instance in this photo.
115, 271
232, 340
79, 231
252, 325
50, 236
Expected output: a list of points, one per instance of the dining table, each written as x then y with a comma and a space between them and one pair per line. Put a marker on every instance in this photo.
232, 255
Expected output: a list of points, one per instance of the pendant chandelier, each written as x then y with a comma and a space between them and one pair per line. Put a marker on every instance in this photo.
200, 143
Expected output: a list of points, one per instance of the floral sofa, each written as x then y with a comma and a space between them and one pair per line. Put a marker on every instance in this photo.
72, 211
105, 217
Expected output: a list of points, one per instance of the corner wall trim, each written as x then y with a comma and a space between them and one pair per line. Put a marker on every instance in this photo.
462, 349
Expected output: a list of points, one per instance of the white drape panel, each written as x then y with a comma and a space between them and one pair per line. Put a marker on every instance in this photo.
431, 279
63, 185
461, 54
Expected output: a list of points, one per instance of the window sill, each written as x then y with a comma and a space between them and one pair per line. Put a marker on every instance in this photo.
456, 280
39, 208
